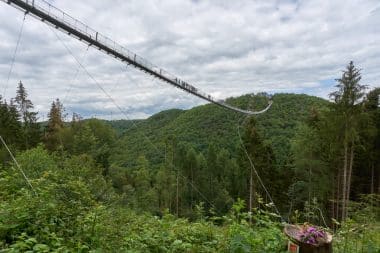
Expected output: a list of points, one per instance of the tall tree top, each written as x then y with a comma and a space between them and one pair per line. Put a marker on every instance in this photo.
350, 91
23, 104
56, 116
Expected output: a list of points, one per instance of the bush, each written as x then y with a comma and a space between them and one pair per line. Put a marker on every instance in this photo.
76, 210
361, 232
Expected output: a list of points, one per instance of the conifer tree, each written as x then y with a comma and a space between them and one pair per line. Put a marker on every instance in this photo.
347, 109
144, 192
29, 118
10, 128
165, 185
54, 126
261, 154
311, 173
211, 169
372, 143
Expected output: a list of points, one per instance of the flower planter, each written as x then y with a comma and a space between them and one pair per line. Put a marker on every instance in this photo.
298, 244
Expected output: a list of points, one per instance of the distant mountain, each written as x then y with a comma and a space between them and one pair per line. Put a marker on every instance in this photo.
210, 123
121, 125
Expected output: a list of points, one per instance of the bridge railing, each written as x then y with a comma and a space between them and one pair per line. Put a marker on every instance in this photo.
68, 20
73, 23
77, 25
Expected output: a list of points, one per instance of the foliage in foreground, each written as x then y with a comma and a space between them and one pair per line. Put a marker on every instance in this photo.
76, 210
360, 232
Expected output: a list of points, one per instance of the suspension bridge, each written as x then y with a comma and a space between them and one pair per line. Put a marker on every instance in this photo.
58, 19
62, 21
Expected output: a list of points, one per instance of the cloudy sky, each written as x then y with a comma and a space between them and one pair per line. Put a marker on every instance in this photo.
225, 48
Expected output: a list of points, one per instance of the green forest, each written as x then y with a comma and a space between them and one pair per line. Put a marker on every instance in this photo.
199, 180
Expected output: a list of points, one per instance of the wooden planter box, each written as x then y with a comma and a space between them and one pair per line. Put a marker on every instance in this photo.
297, 246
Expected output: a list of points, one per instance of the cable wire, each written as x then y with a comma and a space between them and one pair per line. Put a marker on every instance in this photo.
75, 77
100, 86
196, 189
257, 174
14, 55
18, 165
123, 112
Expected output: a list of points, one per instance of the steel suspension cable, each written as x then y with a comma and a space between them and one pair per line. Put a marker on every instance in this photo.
18, 165
123, 112
256, 173
14, 54
74, 79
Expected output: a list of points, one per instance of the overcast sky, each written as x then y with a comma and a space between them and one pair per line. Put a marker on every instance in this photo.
225, 48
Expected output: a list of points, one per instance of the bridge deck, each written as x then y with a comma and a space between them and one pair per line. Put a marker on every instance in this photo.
75, 28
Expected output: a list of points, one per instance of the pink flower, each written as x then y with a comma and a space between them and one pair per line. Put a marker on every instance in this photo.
311, 235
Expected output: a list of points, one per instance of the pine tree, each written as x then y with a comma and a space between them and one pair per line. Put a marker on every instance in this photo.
372, 143
347, 108
10, 128
312, 175
261, 154
211, 169
54, 126
165, 186
192, 172
144, 192
29, 118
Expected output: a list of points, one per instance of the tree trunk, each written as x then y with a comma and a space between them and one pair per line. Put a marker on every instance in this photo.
349, 177
250, 196
308, 217
332, 211
192, 184
378, 183
372, 177
344, 186
177, 197
337, 196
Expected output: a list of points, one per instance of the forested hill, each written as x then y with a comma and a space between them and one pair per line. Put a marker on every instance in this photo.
80, 187
209, 123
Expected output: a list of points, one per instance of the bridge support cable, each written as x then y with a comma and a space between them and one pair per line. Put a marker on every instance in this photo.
101, 88
55, 17
18, 165
126, 116
253, 169
14, 55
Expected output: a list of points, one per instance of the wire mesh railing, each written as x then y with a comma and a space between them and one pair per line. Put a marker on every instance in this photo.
84, 30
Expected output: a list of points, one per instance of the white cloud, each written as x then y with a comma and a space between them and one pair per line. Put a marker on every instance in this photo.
226, 48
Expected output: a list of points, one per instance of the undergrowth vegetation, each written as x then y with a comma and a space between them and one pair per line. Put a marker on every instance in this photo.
73, 208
